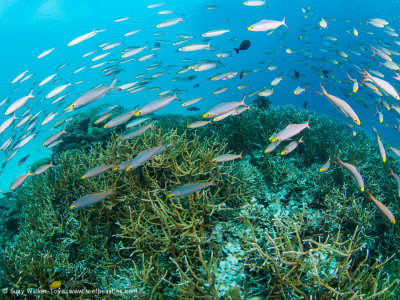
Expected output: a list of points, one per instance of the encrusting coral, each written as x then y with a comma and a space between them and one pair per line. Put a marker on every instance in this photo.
286, 229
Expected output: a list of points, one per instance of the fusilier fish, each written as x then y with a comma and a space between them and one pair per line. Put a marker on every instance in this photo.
291, 146
18, 77
103, 118
383, 208
190, 188
213, 33
289, 131
19, 180
169, 22
121, 119
145, 155
97, 171
220, 90
18, 103
382, 84
90, 199
44, 53
84, 37
298, 90
355, 83
91, 96
354, 172
271, 147
381, 149
198, 124
265, 25
194, 47
266, 93
53, 137
43, 168
227, 157
156, 105
122, 19
132, 51
24, 141
276, 81
397, 178
134, 133
341, 105
57, 90
224, 107
47, 79
255, 3
395, 150
191, 101
136, 122
326, 166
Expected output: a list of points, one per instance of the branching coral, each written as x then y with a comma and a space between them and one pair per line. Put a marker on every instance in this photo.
139, 222
286, 262
285, 245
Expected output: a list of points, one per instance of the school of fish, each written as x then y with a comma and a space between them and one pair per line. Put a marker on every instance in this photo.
65, 99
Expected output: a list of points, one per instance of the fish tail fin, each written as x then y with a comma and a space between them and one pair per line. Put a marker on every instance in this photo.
30, 94
237, 50
307, 124
175, 94
301, 139
323, 90
373, 52
241, 155
391, 173
212, 182
113, 83
339, 161
283, 22
349, 76
244, 98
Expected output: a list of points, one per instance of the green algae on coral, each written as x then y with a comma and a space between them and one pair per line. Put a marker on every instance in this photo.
259, 214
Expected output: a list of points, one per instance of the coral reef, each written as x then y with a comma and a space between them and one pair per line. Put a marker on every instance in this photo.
273, 227
83, 132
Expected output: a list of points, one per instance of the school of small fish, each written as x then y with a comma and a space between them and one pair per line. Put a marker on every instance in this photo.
65, 99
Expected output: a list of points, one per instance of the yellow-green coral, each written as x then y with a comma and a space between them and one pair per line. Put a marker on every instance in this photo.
164, 247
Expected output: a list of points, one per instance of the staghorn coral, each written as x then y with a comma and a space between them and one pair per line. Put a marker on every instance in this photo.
182, 247
288, 260
138, 224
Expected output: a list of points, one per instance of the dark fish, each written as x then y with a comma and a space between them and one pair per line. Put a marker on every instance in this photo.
192, 108
317, 204
243, 46
325, 72
241, 74
157, 44
22, 160
305, 104
296, 74
191, 77
196, 85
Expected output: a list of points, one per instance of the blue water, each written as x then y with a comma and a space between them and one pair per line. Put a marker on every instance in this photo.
30, 27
